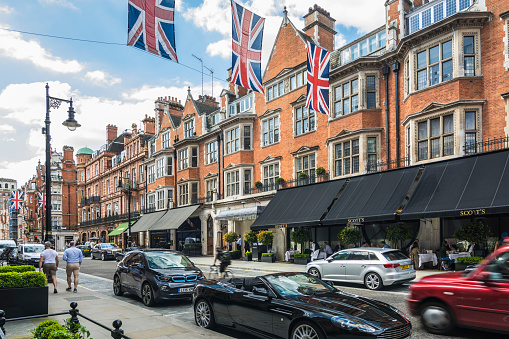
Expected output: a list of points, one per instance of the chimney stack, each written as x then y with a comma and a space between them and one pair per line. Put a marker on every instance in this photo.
111, 133
320, 26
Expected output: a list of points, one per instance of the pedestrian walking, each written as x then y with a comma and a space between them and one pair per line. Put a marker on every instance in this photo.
74, 258
50, 266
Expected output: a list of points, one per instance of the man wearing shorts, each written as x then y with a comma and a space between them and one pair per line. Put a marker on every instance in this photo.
50, 258
74, 257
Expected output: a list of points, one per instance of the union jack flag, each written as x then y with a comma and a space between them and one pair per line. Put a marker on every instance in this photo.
247, 36
16, 200
42, 201
151, 27
318, 79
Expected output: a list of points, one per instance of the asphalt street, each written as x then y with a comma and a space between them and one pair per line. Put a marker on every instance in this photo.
97, 275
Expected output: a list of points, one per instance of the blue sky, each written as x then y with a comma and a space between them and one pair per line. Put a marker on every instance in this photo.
114, 83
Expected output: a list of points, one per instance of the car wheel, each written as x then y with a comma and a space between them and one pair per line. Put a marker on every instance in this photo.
203, 314
306, 330
436, 318
373, 281
103, 257
314, 272
147, 295
117, 286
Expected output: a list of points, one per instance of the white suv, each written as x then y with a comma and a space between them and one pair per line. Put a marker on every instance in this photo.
30, 254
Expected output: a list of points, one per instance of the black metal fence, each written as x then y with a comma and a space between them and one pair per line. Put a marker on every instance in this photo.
116, 332
489, 145
111, 218
387, 165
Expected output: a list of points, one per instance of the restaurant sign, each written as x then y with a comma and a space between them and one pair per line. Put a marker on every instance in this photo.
351, 221
281, 226
478, 211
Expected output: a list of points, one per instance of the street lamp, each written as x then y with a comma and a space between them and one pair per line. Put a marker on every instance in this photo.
71, 124
128, 189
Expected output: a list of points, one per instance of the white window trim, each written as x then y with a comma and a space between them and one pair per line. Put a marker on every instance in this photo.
262, 132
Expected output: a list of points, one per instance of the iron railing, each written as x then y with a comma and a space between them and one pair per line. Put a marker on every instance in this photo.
387, 165
116, 332
489, 145
111, 218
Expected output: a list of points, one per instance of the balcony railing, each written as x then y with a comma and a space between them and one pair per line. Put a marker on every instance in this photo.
95, 198
489, 145
379, 166
111, 218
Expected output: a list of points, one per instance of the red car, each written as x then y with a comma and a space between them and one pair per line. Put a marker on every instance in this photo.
478, 299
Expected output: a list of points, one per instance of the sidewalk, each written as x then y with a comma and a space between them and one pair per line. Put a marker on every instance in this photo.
137, 321
278, 266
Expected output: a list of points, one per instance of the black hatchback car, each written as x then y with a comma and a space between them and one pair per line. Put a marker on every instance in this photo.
156, 276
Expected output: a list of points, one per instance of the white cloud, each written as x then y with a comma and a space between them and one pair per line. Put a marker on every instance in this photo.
14, 46
221, 48
6, 129
101, 78
339, 40
5, 9
63, 3
6, 139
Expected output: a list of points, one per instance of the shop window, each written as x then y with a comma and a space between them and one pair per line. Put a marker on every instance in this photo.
304, 120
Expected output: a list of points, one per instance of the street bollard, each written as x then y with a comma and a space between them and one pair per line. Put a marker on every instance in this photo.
2, 323
117, 332
74, 316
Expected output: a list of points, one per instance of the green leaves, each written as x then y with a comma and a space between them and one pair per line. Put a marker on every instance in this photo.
230, 237
266, 237
301, 235
350, 235
250, 237
19, 269
21, 280
399, 232
474, 231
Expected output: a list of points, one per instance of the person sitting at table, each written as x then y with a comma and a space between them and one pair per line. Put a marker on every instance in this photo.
414, 254
443, 253
339, 247
451, 246
327, 249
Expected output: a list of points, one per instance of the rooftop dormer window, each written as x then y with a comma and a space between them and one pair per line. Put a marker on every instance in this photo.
241, 105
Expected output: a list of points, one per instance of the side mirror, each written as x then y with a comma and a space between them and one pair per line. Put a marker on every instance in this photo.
137, 265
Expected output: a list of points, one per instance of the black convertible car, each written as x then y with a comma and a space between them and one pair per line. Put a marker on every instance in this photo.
296, 306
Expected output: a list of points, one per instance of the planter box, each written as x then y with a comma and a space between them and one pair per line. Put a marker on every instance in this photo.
24, 302
269, 259
460, 267
249, 257
301, 261
235, 255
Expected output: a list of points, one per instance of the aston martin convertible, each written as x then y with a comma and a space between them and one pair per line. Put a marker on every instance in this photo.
296, 306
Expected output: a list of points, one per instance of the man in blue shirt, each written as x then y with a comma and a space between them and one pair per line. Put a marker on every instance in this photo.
74, 257
382, 244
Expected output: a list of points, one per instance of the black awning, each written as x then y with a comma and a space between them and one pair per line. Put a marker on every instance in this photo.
146, 221
470, 186
299, 206
373, 197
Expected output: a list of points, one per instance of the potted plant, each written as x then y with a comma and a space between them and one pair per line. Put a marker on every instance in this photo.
302, 175
23, 291
266, 238
301, 259
301, 236
280, 181
268, 257
320, 171
230, 237
249, 256
398, 233
258, 184
350, 235
462, 262
51, 329
474, 232
250, 238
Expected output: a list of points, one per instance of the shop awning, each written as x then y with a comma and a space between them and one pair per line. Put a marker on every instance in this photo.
173, 218
240, 213
299, 206
372, 197
147, 221
120, 229
470, 186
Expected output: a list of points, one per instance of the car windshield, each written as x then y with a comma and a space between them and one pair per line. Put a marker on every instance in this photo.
84, 247
4, 245
394, 255
108, 246
167, 260
297, 285
34, 249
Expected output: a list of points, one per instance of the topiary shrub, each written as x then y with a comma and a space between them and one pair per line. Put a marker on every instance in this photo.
302, 175
41, 327
280, 181
350, 235
475, 231
301, 236
320, 171
399, 232
266, 237
230, 237
258, 184
22, 280
18, 269
250, 237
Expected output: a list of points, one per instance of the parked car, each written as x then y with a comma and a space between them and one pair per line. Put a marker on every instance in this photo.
85, 250
156, 275
294, 305
104, 251
9, 255
6, 243
29, 254
373, 267
476, 298
121, 254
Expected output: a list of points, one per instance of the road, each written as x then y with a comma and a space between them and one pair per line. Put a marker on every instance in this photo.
97, 275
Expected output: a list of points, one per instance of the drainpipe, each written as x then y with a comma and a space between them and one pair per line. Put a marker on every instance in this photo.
386, 70
395, 69
220, 151
175, 202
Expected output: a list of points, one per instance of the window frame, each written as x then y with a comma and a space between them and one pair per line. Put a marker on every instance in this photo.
309, 170
428, 68
183, 159
211, 152
189, 128
310, 118
431, 138
347, 98
229, 140
269, 133
269, 181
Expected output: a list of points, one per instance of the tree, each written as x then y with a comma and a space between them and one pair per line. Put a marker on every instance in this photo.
474, 231
398, 233
350, 235
300, 236
230, 237
266, 237
250, 237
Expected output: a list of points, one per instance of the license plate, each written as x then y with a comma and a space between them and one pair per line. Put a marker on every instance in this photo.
186, 290
405, 267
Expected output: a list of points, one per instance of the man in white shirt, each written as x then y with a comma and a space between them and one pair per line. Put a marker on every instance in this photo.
50, 258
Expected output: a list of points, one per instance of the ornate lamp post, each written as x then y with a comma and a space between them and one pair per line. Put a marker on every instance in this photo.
71, 124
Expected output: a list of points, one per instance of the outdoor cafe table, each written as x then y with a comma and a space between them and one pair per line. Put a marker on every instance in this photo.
289, 255
428, 257
457, 255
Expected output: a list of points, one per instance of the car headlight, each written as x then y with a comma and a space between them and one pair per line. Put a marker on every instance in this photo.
352, 325
394, 309
163, 278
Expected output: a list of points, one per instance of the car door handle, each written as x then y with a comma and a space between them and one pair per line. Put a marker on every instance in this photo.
280, 311
363, 266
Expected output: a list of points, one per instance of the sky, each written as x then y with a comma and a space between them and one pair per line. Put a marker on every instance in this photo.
111, 83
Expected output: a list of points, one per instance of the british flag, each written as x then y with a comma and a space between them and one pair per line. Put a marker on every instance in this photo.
151, 27
16, 200
247, 36
42, 201
318, 79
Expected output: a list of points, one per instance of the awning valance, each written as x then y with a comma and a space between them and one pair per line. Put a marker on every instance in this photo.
240, 213
173, 218
120, 229
299, 206
147, 221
